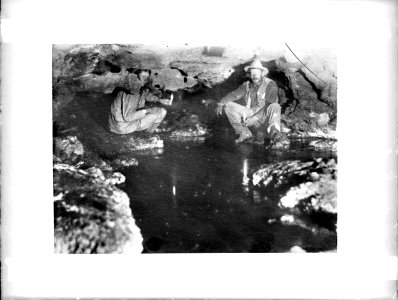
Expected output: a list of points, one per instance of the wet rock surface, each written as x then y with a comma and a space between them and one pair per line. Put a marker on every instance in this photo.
180, 124
306, 189
91, 214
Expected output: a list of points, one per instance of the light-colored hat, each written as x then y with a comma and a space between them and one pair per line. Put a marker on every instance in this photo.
256, 64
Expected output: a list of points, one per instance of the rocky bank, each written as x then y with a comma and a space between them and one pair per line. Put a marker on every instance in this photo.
305, 190
92, 215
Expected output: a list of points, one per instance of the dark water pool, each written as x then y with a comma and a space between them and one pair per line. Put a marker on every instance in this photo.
190, 197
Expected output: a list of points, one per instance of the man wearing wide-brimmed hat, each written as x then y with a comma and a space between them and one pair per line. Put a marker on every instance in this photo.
261, 109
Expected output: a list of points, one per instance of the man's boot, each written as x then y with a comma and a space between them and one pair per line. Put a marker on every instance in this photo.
260, 137
277, 139
244, 136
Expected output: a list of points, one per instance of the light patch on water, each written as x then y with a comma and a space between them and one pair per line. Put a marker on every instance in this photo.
245, 180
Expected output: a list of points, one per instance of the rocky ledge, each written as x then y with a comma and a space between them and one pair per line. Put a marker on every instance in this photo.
91, 214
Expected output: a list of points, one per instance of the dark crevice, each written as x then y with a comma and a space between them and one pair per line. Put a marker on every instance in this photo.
113, 68
105, 66
284, 90
183, 73
131, 70
315, 88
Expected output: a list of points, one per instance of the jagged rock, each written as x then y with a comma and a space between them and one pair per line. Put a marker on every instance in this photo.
91, 214
172, 79
144, 144
321, 192
69, 149
181, 124
124, 161
197, 131
324, 144
91, 159
308, 187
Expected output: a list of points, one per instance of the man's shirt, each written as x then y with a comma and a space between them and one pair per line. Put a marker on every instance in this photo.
270, 95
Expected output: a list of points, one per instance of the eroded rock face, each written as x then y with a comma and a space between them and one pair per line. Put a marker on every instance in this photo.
102, 68
305, 188
180, 124
91, 214
200, 74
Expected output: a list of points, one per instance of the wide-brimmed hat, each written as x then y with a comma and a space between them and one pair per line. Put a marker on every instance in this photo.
256, 64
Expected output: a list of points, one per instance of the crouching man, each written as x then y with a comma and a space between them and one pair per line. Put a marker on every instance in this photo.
261, 110
128, 112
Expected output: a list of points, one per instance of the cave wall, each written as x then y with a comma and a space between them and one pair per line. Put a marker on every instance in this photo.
101, 68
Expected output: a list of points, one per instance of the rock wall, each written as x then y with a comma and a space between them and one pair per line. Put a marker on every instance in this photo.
102, 68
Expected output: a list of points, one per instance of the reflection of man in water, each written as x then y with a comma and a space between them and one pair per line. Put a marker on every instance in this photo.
128, 111
261, 109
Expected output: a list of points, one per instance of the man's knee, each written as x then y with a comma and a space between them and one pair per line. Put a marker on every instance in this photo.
274, 106
163, 112
230, 107
274, 110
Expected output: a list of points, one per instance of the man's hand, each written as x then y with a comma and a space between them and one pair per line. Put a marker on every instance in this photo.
165, 101
219, 109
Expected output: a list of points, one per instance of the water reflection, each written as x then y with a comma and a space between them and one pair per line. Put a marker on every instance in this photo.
245, 170
174, 184
256, 196
151, 152
216, 208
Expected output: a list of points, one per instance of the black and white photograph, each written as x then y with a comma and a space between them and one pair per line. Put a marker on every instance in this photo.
194, 149
199, 149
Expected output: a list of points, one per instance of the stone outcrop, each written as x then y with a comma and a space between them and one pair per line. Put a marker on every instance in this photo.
92, 215
306, 189
180, 124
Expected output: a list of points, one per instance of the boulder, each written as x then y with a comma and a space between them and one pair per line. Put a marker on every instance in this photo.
124, 161
183, 125
91, 214
306, 188
69, 149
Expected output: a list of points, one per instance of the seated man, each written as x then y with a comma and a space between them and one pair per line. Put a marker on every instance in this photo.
128, 112
261, 109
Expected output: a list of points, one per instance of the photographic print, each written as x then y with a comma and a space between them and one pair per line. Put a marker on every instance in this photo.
199, 149
194, 149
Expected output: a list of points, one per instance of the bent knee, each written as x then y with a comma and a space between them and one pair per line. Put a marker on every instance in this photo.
163, 112
229, 106
275, 106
